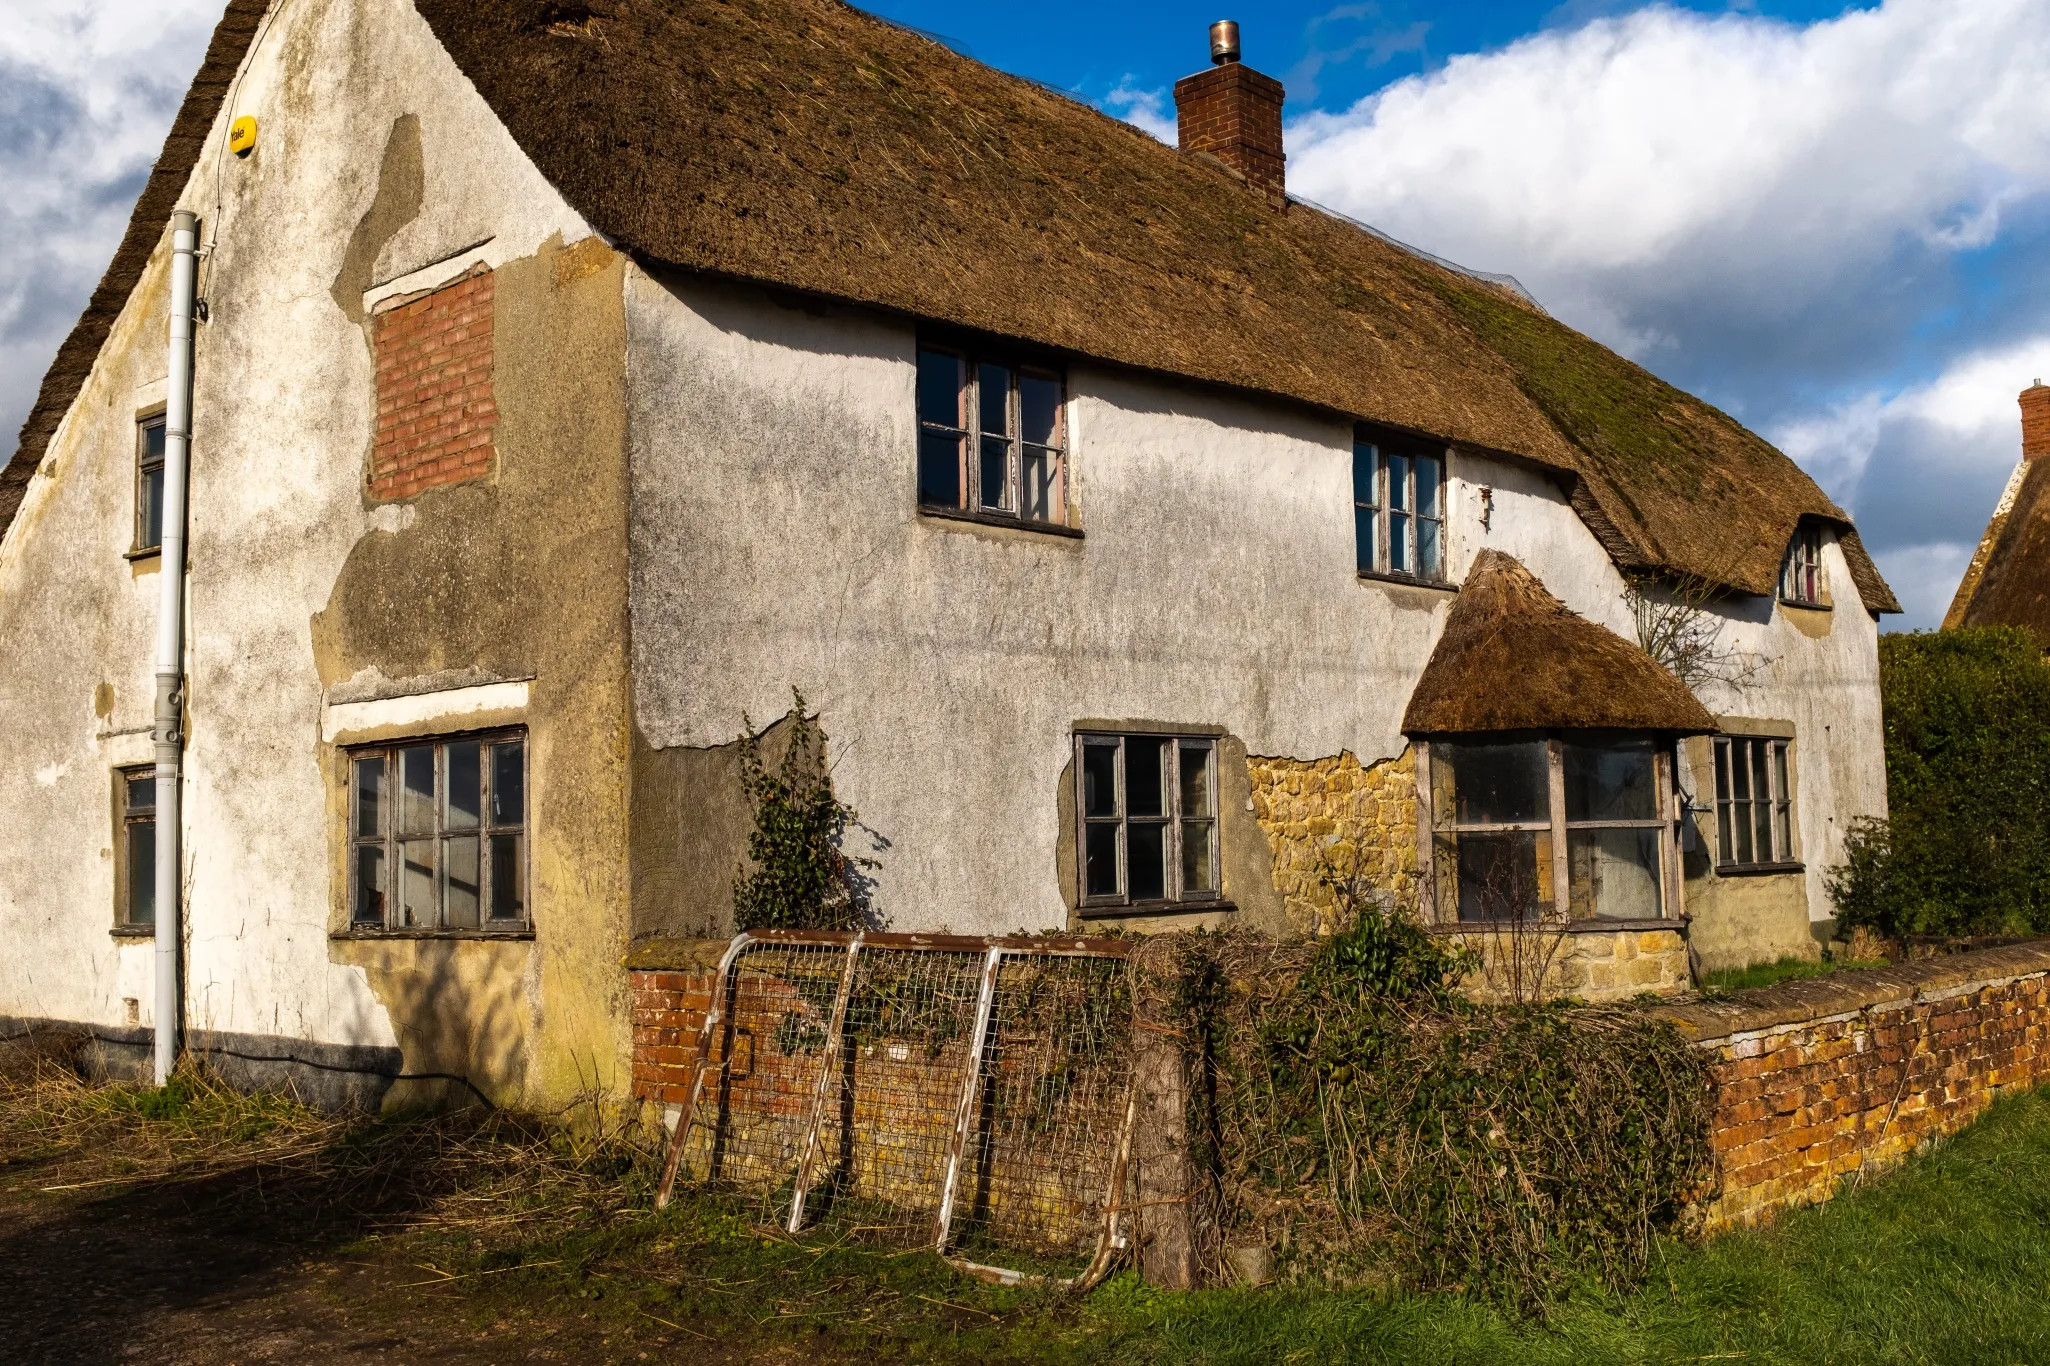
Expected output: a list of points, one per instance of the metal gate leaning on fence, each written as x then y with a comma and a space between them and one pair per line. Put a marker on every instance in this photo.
971, 1094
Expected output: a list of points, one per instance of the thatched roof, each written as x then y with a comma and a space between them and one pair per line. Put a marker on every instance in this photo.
804, 145
1513, 657
2008, 581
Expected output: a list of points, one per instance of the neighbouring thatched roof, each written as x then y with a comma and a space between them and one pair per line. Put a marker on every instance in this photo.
146, 226
2008, 582
805, 145
1513, 657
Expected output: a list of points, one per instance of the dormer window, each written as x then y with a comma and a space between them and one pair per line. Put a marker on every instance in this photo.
1802, 582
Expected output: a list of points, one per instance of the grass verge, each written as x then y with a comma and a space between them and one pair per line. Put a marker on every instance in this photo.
1785, 970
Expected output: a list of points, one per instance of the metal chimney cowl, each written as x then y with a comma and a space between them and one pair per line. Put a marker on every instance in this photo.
1224, 42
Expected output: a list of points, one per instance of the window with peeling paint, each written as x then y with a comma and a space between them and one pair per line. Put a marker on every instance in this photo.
437, 834
1146, 808
1802, 582
1398, 500
1754, 805
992, 438
1523, 825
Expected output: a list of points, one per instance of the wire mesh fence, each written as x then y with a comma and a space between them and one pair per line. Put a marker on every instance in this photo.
970, 1094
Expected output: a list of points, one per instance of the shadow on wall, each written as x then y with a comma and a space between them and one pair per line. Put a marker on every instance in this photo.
461, 1011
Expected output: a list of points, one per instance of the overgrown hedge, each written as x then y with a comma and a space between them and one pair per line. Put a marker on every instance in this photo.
1354, 1115
1966, 848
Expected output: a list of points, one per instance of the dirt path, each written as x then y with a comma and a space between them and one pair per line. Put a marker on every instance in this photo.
177, 1276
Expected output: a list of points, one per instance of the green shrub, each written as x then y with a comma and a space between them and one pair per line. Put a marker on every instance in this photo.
1966, 847
801, 878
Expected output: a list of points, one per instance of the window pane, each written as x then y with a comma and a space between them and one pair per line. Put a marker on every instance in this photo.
142, 872
1364, 459
369, 905
1495, 783
1039, 410
509, 783
1039, 484
1786, 802
1724, 819
1398, 543
465, 785
1722, 770
1398, 481
1614, 873
1099, 780
1740, 770
153, 442
1498, 876
1427, 468
417, 885
461, 897
995, 489
151, 533
939, 470
1363, 536
416, 795
1195, 780
142, 791
508, 879
1610, 782
1199, 867
1147, 855
1740, 827
1101, 858
1145, 788
1761, 792
1428, 556
939, 388
993, 384
370, 779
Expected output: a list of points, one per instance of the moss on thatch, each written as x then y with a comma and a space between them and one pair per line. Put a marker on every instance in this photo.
1513, 657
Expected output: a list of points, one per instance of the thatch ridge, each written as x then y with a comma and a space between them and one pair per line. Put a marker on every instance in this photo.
806, 145
2013, 587
1513, 657
146, 225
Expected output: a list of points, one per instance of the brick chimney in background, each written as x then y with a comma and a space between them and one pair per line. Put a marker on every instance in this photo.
2035, 420
1233, 113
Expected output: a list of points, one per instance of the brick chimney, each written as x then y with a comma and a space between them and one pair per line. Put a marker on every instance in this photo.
1233, 113
2035, 402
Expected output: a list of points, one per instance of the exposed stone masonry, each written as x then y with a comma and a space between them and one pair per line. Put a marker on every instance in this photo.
1339, 815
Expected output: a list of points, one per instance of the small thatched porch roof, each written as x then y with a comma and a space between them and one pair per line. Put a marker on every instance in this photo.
1513, 657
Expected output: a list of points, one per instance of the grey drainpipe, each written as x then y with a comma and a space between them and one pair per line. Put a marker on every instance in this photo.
170, 725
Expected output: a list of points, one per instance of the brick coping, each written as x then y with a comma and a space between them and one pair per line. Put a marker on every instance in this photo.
1846, 993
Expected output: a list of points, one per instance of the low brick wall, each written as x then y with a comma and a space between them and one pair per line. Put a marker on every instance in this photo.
672, 981
1822, 1079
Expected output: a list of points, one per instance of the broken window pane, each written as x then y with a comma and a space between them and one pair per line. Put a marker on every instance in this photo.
1145, 790
509, 783
508, 879
461, 894
1610, 781
1614, 874
1099, 780
1146, 856
1101, 857
465, 785
369, 908
416, 790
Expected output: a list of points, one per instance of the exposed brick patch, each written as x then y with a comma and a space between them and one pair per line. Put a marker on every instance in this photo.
1883, 1063
435, 410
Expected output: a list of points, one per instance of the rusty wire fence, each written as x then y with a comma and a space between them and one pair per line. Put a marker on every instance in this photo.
973, 1095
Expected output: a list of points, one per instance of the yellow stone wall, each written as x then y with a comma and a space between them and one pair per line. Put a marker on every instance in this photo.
1336, 814
1591, 963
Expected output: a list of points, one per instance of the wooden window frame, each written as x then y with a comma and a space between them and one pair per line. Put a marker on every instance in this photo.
127, 815
389, 839
1556, 828
1391, 468
1779, 801
1804, 582
971, 439
142, 544
1175, 820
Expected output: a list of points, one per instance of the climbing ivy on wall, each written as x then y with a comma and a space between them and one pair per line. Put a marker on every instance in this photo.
798, 876
1965, 849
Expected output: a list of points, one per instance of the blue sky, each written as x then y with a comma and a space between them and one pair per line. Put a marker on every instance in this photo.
1832, 222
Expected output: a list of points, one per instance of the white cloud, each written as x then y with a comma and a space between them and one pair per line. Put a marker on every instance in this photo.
87, 91
1802, 222
1143, 109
